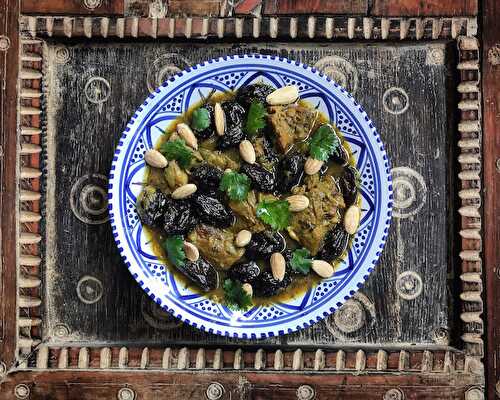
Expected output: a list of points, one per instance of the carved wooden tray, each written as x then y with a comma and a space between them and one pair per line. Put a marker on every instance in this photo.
416, 326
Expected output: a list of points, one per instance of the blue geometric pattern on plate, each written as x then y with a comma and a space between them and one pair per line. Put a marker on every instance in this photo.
171, 100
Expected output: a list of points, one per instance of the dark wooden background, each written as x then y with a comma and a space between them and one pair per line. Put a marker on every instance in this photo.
83, 132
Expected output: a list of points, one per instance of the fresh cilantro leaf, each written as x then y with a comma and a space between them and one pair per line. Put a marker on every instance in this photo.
275, 213
256, 118
177, 150
174, 246
200, 119
235, 185
301, 261
323, 143
235, 297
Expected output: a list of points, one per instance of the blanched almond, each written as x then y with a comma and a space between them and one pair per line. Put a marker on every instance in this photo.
155, 159
247, 152
283, 95
247, 288
191, 251
278, 266
351, 219
322, 268
243, 238
184, 191
220, 119
173, 136
187, 134
312, 166
298, 202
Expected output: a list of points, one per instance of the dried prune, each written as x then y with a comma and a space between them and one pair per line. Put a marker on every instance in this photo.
244, 272
179, 217
151, 206
292, 171
340, 155
208, 131
202, 273
233, 134
212, 211
334, 244
262, 179
266, 286
349, 185
265, 243
206, 177
255, 92
265, 152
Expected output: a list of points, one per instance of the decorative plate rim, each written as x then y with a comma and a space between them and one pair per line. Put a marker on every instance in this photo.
317, 315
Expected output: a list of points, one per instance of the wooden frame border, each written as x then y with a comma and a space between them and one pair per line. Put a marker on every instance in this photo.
28, 353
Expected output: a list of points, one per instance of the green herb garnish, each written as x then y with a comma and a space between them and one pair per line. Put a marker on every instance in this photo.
275, 213
200, 119
235, 297
256, 118
177, 150
323, 143
174, 246
301, 261
235, 185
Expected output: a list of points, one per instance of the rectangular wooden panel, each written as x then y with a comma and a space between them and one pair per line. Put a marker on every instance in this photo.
72, 7
417, 8
491, 163
290, 7
93, 91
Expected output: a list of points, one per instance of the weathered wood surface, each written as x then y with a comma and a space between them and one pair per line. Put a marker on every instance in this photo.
401, 8
9, 51
289, 7
84, 126
73, 7
491, 165
87, 385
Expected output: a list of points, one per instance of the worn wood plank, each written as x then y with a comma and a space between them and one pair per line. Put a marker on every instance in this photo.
430, 8
292, 7
418, 141
161, 385
8, 179
491, 165
195, 7
72, 7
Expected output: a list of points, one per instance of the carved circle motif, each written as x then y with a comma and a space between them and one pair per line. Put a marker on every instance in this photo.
4, 43
395, 101
305, 392
97, 90
215, 391
394, 394
3, 368
341, 71
89, 289
410, 192
22, 391
474, 394
126, 394
163, 68
62, 55
350, 317
88, 199
409, 285
435, 56
440, 336
155, 316
61, 331
92, 4
354, 315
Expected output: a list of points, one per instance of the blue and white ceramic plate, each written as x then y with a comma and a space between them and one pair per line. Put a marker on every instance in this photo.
172, 99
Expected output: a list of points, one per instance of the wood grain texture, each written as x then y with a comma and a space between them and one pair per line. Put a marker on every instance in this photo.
71, 7
8, 178
195, 7
417, 8
154, 385
491, 165
292, 7
418, 139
